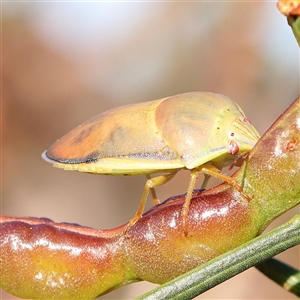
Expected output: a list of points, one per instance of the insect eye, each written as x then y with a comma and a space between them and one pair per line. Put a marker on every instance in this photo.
247, 120
233, 148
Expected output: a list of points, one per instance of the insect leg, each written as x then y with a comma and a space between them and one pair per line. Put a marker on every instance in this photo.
215, 172
205, 181
239, 160
151, 183
153, 193
186, 205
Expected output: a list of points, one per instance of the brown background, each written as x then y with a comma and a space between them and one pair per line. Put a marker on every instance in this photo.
66, 62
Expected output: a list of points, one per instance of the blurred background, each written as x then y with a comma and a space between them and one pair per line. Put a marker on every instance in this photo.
63, 63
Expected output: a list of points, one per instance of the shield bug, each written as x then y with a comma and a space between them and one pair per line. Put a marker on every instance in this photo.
201, 132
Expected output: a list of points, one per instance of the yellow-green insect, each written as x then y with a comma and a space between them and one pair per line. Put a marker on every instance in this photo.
201, 132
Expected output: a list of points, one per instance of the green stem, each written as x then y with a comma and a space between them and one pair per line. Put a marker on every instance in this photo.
284, 275
294, 22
